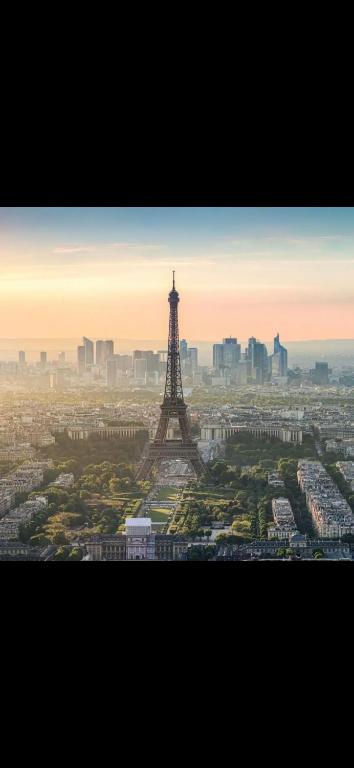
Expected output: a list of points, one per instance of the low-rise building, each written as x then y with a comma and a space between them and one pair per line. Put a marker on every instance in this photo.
275, 480
15, 550
286, 433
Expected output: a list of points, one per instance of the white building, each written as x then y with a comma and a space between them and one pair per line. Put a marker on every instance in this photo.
140, 541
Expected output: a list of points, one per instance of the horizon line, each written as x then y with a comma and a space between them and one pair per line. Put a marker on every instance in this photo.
118, 338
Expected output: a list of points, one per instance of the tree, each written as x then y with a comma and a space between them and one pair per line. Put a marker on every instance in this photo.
115, 484
200, 553
281, 552
61, 553
75, 554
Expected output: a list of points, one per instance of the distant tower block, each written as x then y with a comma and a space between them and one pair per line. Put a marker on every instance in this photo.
173, 406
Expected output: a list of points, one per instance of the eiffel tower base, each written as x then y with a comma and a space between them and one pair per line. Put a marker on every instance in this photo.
170, 450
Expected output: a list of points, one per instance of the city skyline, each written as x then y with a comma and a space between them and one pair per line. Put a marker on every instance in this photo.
258, 270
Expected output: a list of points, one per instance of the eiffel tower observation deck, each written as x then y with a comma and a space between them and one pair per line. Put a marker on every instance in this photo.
173, 406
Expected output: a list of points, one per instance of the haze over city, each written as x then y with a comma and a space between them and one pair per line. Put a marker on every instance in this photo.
105, 271
176, 385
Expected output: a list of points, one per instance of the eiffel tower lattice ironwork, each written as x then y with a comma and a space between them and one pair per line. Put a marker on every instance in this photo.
173, 406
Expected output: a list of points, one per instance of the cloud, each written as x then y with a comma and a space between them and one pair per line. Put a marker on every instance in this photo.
98, 247
74, 249
139, 246
285, 239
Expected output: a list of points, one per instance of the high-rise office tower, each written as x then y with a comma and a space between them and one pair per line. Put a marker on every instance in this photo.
151, 358
218, 356
183, 349
109, 348
140, 369
43, 358
104, 350
22, 357
152, 361
279, 359
81, 359
61, 357
100, 352
227, 354
192, 355
257, 357
89, 352
115, 364
320, 374
124, 362
232, 352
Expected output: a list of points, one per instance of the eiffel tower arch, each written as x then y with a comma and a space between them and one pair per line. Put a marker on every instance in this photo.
173, 406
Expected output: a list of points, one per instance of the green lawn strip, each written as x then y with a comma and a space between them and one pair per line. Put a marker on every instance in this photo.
167, 494
159, 514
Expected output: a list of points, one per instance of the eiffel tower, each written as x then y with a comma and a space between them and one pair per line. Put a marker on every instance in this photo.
173, 406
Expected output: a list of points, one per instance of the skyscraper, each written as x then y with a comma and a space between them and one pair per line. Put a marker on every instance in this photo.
124, 362
193, 357
100, 352
89, 352
257, 357
227, 354
279, 359
104, 350
232, 352
140, 369
61, 357
152, 360
22, 358
218, 356
320, 374
81, 359
43, 358
109, 348
183, 349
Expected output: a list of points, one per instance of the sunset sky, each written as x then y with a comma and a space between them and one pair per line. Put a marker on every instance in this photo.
106, 272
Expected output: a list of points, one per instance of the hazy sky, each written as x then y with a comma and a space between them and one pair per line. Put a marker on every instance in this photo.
69, 272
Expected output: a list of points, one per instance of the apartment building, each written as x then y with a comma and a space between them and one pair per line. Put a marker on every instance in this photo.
331, 514
284, 522
11, 522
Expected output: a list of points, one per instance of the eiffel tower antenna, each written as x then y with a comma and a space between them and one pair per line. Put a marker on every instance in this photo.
173, 406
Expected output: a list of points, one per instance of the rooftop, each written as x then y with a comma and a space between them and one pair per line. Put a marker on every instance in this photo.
138, 521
